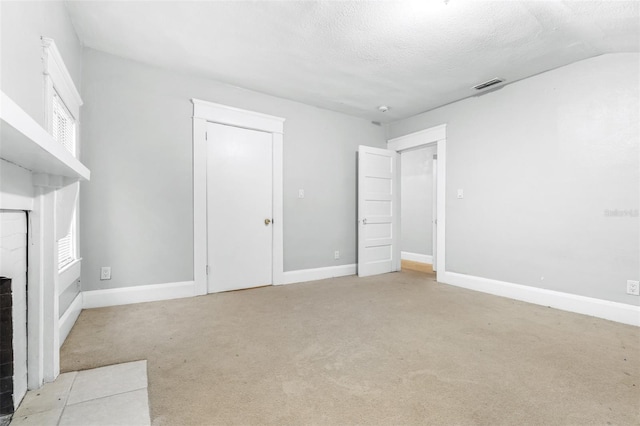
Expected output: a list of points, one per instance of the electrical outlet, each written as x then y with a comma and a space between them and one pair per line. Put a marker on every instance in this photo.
336, 254
633, 287
300, 193
105, 273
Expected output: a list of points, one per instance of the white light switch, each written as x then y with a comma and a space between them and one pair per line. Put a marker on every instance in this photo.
300, 193
460, 193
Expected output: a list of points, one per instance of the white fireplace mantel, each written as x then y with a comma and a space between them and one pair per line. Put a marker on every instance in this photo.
25, 143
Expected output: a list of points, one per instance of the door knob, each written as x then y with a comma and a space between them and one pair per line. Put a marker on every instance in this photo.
267, 221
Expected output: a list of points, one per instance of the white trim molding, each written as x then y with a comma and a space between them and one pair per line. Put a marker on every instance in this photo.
231, 116
613, 311
137, 294
417, 139
57, 74
304, 275
204, 112
69, 318
416, 257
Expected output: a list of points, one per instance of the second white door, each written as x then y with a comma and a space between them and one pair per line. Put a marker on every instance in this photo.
239, 208
378, 211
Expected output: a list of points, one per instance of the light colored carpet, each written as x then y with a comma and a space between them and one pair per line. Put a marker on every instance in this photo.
393, 349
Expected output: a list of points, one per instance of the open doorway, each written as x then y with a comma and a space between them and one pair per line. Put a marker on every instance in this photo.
433, 161
379, 201
417, 208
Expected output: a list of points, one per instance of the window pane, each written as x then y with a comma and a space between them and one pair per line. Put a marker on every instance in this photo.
67, 246
65, 250
64, 126
64, 131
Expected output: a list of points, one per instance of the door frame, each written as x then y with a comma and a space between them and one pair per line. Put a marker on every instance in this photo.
434, 214
203, 112
432, 136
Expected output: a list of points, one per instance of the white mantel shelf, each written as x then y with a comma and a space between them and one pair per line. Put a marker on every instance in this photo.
25, 143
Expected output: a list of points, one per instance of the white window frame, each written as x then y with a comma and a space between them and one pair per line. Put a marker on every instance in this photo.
57, 80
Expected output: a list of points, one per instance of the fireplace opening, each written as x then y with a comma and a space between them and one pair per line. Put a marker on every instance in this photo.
6, 347
13, 309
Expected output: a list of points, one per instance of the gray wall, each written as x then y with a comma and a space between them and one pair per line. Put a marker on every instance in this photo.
541, 161
23, 23
137, 210
417, 200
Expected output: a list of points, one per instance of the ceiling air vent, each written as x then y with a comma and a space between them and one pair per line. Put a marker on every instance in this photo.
489, 83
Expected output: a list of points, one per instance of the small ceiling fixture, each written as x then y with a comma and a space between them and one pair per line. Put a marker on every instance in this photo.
383, 108
488, 83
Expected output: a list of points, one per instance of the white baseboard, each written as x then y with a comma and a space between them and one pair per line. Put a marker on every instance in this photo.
69, 318
415, 257
613, 311
304, 275
137, 294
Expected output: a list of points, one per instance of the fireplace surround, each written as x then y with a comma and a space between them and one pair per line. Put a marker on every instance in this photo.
40, 177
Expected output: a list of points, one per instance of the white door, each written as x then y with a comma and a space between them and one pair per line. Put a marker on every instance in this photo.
239, 208
378, 211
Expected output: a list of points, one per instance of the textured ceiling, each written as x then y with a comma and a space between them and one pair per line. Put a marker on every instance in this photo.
354, 56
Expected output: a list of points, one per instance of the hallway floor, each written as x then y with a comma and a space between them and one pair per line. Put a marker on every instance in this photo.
391, 349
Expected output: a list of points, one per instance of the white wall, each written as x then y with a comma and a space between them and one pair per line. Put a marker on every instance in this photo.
137, 210
541, 161
417, 200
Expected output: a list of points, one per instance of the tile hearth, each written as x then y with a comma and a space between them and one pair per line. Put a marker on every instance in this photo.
112, 395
